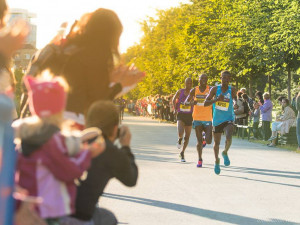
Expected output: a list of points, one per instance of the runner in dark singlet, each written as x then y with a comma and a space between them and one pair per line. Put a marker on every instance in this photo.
184, 117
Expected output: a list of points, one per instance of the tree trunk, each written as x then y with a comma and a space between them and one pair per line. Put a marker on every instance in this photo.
250, 86
270, 85
289, 83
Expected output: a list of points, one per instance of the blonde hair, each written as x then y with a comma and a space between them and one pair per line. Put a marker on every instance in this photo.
266, 95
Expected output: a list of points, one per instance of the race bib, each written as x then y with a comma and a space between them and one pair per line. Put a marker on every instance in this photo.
185, 108
200, 99
222, 105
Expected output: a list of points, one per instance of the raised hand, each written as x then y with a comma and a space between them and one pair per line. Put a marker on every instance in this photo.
12, 38
126, 76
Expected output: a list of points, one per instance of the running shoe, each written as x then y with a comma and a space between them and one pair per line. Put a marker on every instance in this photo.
226, 159
203, 140
217, 169
203, 143
199, 164
181, 156
179, 143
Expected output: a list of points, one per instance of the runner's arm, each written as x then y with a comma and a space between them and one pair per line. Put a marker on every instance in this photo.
175, 98
190, 96
209, 99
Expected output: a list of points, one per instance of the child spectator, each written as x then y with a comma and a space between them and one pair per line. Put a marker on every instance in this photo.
45, 167
256, 118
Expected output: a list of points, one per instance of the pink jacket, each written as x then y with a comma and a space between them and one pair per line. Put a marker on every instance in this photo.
49, 172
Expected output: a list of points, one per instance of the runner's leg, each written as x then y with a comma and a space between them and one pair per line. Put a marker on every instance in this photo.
228, 132
180, 132
199, 130
208, 134
187, 131
217, 140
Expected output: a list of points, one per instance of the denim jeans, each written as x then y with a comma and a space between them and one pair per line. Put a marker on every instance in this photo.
298, 131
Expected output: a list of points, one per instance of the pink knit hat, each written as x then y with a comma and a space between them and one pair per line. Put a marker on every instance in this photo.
45, 97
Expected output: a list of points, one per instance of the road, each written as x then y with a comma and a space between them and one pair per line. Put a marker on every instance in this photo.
262, 185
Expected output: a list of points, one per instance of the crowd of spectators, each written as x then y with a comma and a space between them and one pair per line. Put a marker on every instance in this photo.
157, 107
256, 112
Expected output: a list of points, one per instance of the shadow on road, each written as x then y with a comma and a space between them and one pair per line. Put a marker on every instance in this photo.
154, 154
214, 215
267, 172
264, 172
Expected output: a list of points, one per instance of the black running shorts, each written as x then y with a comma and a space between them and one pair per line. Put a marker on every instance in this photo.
187, 118
220, 127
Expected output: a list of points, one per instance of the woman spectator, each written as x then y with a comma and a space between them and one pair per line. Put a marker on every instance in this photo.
259, 97
87, 59
266, 113
283, 123
239, 110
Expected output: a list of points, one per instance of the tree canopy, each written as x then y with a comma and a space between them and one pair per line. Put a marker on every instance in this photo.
251, 38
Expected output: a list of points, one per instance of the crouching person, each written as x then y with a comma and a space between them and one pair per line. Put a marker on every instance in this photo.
114, 162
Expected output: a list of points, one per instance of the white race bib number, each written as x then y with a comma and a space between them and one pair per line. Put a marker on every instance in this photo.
200, 99
185, 108
222, 105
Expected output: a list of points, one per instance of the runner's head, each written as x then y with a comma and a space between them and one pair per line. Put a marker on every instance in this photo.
203, 79
188, 83
225, 77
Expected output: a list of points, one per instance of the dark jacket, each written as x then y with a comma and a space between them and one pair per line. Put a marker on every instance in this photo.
114, 162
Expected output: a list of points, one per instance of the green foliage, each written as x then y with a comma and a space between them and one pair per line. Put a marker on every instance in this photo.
252, 39
18, 90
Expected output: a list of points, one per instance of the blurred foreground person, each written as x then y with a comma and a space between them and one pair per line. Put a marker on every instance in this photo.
114, 162
87, 59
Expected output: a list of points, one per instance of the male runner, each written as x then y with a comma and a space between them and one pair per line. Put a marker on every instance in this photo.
202, 116
184, 116
223, 116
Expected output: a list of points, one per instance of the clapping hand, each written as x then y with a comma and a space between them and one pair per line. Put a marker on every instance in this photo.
127, 76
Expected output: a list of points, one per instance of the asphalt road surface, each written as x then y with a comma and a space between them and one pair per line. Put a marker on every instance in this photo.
261, 186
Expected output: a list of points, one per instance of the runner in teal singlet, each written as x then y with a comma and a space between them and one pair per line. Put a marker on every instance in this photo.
222, 97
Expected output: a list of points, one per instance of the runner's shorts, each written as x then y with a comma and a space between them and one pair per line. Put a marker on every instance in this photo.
187, 118
220, 127
204, 124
